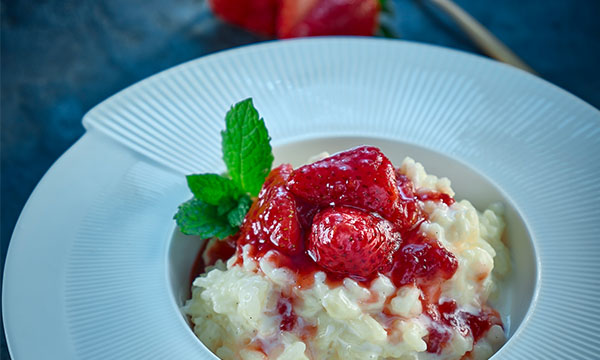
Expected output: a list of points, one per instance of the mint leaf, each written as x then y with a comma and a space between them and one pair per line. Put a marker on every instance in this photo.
196, 217
246, 148
212, 188
237, 214
226, 206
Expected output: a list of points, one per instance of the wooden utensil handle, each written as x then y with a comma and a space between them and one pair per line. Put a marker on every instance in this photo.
482, 37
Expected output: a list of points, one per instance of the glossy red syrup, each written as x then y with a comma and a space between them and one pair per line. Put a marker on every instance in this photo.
435, 196
219, 250
446, 315
436, 339
280, 223
288, 317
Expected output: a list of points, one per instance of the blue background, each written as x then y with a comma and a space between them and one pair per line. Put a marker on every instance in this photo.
61, 57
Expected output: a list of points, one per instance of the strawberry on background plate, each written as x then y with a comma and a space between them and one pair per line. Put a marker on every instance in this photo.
348, 241
298, 18
258, 16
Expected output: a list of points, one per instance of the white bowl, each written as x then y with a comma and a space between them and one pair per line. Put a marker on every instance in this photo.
518, 292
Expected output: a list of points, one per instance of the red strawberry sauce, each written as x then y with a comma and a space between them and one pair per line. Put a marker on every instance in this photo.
334, 197
288, 317
465, 323
220, 250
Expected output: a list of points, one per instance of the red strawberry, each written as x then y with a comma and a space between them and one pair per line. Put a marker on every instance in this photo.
351, 242
273, 216
254, 15
362, 177
407, 212
327, 17
423, 260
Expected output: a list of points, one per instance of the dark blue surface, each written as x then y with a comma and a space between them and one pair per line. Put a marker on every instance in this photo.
61, 57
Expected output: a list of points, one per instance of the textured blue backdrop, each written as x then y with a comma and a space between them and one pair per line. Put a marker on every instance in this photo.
61, 57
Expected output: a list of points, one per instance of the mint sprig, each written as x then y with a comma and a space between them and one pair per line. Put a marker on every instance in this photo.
221, 202
246, 148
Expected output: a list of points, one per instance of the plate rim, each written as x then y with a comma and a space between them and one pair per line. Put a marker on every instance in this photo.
262, 45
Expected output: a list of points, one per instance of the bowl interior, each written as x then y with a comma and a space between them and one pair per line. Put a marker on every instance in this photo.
518, 289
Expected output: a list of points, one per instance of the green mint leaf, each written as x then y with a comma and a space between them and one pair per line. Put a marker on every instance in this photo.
212, 188
196, 217
237, 214
246, 148
226, 206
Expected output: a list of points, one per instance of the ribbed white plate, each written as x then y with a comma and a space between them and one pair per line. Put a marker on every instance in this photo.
86, 274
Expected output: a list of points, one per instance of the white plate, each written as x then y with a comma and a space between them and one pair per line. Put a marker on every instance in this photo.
87, 273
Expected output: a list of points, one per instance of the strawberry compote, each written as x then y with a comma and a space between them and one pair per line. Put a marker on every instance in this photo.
349, 257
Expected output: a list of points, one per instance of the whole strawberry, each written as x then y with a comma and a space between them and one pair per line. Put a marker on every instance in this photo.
351, 242
361, 177
297, 18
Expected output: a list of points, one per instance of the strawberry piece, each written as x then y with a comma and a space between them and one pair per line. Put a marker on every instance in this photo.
327, 17
351, 242
407, 215
273, 216
407, 212
361, 177
255, 15
422, 260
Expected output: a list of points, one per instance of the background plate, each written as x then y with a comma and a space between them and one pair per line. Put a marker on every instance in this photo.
86, 274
